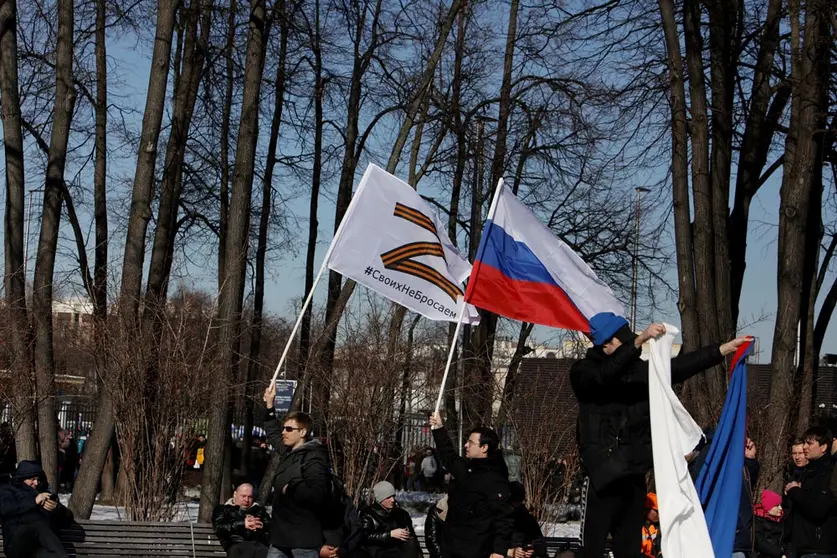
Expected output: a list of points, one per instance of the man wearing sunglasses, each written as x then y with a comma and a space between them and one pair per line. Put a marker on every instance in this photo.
301, 485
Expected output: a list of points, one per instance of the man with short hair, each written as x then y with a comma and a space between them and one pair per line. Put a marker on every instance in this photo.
31, 516
480, 518
812, 513
242, 525
301, 485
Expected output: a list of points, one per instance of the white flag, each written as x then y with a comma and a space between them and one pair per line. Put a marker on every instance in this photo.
392, 242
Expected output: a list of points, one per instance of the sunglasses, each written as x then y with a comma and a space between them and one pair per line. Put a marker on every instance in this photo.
290, 428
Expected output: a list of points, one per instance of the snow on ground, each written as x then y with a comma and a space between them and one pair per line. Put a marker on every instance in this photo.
416, 503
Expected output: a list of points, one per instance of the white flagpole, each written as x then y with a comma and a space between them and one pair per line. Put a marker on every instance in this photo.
326, 258
463, 306
462, 309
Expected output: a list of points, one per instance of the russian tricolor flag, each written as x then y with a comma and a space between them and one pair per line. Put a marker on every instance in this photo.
522, 271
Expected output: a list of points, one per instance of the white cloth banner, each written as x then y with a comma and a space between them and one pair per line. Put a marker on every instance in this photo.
392, 242
674, 434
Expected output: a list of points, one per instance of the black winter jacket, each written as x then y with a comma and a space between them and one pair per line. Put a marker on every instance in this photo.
527, 533
18, 509
377, 523
812, 518
480, 518
768, 537
744, 529
614, 432
297, 513
228, 522
433, 526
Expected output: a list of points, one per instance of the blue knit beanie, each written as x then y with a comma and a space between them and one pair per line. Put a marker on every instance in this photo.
604, 325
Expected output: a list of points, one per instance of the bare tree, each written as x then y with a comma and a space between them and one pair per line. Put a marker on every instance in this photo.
231, 289
15, 279
65, 97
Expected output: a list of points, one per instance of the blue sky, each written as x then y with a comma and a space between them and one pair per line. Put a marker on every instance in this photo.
285, 276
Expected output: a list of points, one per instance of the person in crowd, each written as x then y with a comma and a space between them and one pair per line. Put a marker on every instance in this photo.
652, 539
767, 522
342, 537
614, 432
527, 538
387, 529
433, 526
428, 470
812, 507
31, 517
8, 453
301, 485
480, 519
242, 525
798, 460
743, 544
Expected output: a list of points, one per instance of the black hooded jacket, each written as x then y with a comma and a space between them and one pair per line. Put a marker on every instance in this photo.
480, 518
614, 431
228, 523
18, 508
297, 514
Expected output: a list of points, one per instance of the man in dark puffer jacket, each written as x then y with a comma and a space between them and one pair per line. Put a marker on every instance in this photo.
31, 517
241, 525
480, 519
614, 432
387, 529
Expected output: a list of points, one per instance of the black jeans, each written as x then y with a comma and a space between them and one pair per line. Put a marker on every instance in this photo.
35, 540
618, 509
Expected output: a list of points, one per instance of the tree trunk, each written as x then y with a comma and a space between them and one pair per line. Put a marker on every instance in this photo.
65, 98
261, 247
108, 480
226, 112
795, 196
15, 276
724, 50
230, 296
99, 443
320, 383
351, 156
758, 135
486, 331
684, 246
132, 264
704, 229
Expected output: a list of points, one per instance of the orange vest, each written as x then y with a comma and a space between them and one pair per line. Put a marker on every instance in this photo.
650, 541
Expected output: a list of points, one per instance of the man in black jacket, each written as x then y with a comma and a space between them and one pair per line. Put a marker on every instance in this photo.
479, 522
614, 432
387, 529
812, 514
31, 517
241, 525
301, 485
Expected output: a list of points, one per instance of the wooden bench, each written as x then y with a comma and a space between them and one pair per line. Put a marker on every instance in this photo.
125, 539
121, 539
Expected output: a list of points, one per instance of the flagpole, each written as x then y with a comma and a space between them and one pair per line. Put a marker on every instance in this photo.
463, 307
326, 258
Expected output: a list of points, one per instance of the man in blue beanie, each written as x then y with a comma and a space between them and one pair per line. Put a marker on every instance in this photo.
614, 432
